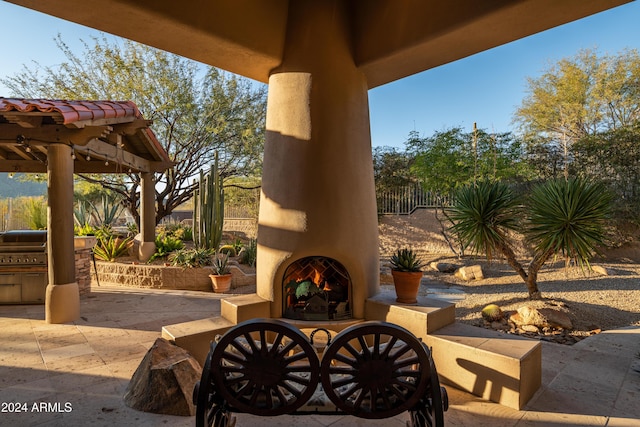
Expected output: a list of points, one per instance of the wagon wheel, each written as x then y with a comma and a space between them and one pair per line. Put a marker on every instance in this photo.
430, 411
265, 367
375, 370
209, 404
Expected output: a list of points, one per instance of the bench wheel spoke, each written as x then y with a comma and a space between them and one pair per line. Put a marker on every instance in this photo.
373, 370
265, 367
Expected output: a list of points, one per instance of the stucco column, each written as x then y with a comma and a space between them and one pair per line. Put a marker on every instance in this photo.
147, 217
318, 195
62, 303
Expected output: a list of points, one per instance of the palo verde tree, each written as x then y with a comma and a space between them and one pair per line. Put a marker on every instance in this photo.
453, 158
613, 158
559, 218
575, 98
196, 111
391, 169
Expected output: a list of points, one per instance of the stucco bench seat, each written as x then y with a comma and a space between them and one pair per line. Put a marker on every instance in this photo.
495, 366
499, 367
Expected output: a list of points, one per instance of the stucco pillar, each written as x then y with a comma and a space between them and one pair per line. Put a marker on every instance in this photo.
318, 195
147, 217
62, 301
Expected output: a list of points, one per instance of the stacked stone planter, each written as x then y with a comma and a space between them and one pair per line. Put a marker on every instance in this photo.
164, 277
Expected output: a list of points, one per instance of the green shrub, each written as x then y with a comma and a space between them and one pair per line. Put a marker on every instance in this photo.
132, 229
36, 213
187, 233
177, 230
237, 245
250, 254
165, 244
84, 230
189, 258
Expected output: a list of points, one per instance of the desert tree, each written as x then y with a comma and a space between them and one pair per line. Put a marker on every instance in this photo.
196, 110
579, 97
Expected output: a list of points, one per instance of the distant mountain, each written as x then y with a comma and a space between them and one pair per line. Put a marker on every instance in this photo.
16, 187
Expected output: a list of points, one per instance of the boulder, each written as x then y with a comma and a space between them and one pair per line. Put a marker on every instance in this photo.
556, 318
541, 318
600, 270
471, 272
443, 267
164, 381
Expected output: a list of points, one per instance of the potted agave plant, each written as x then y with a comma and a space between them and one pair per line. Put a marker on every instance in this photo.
221, 277
406, 269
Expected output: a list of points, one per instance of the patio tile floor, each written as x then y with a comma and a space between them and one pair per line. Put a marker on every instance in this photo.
87, 365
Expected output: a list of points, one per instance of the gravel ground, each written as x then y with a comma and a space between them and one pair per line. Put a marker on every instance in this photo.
593, 302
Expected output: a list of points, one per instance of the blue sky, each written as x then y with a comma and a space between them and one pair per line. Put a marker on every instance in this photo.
485, 88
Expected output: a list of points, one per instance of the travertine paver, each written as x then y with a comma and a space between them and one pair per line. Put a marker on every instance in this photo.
79, 371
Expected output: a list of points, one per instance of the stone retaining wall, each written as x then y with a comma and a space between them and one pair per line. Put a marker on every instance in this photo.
164, 277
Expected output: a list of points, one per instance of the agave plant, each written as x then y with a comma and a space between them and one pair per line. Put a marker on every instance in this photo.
406, 260
220, 265
111, 248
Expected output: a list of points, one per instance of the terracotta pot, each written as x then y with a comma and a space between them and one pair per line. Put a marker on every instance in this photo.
220, 283
407, 284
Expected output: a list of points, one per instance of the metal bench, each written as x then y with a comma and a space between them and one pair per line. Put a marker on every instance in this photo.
267, 367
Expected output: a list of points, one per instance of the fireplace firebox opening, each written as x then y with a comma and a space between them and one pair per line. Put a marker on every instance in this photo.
316, 288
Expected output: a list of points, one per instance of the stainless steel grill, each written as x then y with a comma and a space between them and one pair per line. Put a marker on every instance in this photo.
23, 266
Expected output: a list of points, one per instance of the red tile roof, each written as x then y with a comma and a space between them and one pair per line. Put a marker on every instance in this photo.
73, 111
76, 111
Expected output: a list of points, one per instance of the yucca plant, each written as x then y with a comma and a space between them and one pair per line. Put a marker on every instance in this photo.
483, 215
567, 218
560, 218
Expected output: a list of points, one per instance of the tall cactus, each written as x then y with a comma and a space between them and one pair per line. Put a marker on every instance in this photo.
208, 209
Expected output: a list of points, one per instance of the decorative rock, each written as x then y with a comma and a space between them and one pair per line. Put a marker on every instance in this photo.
443, 267
544, 317
529, 328
600, 270
164, 381
471, 272
500, 326
556, 319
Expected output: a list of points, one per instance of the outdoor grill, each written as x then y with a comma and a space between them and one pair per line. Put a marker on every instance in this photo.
23, 266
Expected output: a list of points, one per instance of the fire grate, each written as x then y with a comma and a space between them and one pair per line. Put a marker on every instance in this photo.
316, 288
